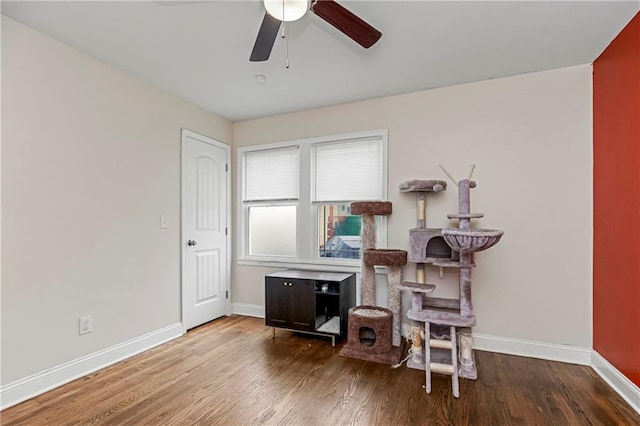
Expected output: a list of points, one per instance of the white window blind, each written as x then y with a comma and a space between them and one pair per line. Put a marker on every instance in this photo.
271, 174
348, 171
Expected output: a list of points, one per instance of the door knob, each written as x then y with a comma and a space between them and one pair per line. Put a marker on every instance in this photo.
191, 243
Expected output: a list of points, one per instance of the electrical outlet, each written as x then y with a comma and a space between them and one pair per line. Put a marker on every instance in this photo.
86, 324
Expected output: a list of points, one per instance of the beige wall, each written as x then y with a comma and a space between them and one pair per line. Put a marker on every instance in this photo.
530, 137
90, 159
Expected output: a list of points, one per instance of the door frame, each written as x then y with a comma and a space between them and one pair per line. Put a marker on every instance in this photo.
227, 148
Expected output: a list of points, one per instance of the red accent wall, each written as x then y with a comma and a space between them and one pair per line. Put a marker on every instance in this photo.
616, 193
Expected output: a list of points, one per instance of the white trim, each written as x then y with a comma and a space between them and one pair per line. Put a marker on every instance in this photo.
247, 310
618, 381
36, 384
296, 265
227, 149
532, 349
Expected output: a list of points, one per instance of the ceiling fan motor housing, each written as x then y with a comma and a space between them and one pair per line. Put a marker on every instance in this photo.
286, 10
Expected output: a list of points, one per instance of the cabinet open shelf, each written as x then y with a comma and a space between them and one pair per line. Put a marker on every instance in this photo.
331, 326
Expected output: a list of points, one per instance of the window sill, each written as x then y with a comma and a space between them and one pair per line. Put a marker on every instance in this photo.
308, 266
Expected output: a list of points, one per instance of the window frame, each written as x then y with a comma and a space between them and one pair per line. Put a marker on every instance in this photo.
307, 212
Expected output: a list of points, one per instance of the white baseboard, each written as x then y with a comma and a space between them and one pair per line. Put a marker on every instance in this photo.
482, 342
36, 384
247, 310
618, 381
528, 348
532, 349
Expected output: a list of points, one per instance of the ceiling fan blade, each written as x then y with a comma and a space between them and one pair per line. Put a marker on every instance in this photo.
266, 37
348, 23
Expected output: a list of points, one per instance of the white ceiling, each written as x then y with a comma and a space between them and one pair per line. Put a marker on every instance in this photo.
200, 50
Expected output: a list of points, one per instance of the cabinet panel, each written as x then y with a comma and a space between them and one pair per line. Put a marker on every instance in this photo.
277, 297
303, 305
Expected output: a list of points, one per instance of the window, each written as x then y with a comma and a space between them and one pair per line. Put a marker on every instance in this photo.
295, 197
271, 199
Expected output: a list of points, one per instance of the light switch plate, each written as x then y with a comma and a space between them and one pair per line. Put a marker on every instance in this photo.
164, 221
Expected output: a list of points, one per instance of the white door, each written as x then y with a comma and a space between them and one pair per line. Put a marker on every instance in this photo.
205, 250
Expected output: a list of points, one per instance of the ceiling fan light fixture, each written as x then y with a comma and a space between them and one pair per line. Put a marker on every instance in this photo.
286, 10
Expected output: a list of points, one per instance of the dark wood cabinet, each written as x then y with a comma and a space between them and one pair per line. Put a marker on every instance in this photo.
310, 301
287, 303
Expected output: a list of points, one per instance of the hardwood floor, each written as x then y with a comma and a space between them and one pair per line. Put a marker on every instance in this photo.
231, 372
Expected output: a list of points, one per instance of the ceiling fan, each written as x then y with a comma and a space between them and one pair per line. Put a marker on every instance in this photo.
290, 10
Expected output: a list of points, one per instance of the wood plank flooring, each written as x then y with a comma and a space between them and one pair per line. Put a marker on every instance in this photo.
231, 372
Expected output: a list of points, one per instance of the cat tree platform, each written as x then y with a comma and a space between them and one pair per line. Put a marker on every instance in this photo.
385, 257
375, 208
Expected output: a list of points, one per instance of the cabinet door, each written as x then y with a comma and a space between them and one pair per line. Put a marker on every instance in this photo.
277, 299
303, 307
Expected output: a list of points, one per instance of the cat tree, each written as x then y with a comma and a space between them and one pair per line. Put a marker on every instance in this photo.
445, 319
374, 332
